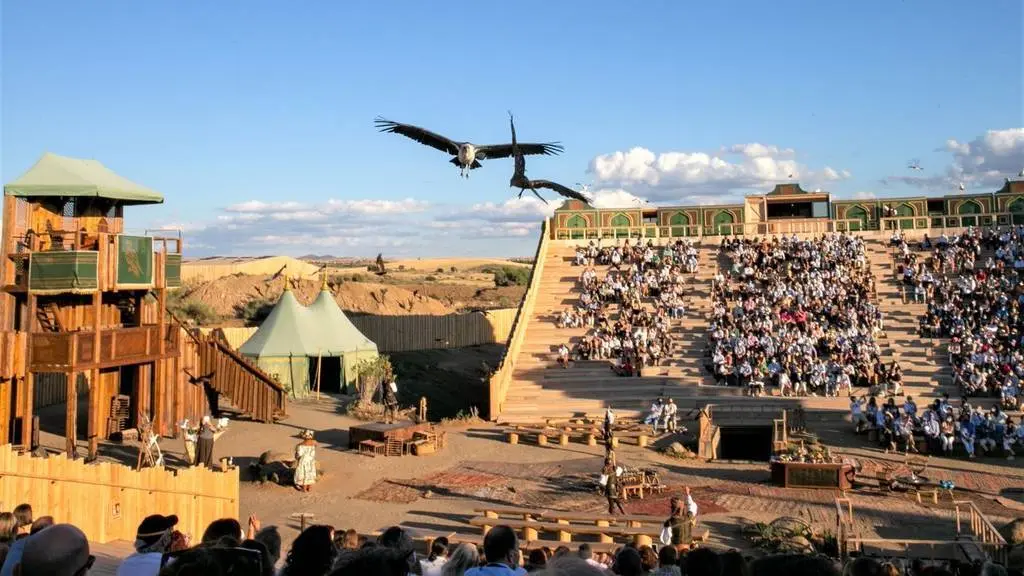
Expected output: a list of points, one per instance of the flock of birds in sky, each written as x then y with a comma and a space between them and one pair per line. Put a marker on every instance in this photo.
467, 156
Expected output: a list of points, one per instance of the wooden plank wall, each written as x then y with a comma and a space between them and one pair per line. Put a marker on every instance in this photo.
410, 332
52, 388
107, 501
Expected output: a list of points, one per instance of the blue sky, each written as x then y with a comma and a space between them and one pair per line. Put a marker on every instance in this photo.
255, 119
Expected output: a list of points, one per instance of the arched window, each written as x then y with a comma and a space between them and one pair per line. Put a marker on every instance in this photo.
621, 222
576, 221
969, 207
906, 210
680, 223
857, 213
1016, 210
721, 218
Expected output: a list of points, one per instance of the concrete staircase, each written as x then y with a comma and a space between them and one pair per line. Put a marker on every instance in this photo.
925, 361
540, 388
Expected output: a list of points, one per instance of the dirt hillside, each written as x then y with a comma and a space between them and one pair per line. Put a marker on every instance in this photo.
226, 295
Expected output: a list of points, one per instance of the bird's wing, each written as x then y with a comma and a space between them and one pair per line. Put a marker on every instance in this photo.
421, 135
505, 150
520, 160
563, 190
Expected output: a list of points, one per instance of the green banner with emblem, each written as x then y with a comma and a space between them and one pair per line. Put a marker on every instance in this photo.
134, 261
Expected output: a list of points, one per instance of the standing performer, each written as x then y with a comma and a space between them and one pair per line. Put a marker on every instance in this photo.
679, 526
390, 400
609, 423
611, 487
305, 462
204, 452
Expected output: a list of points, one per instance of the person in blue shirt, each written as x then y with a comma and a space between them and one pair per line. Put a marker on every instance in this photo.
501, 548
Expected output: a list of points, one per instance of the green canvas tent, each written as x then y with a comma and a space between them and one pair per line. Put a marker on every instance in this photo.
299, 345
339, 338
281, 346
60, 176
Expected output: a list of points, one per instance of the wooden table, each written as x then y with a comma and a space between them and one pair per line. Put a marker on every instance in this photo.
807, 475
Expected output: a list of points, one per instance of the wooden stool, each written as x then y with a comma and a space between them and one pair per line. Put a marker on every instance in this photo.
542, 440
563, 439
591, 439
512, 438
371, 448
615, 441
641, 440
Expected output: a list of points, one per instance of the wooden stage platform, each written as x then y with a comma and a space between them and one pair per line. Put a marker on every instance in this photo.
381, 432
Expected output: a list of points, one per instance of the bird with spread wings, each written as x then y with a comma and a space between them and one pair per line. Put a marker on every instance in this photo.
519, 179
466, 155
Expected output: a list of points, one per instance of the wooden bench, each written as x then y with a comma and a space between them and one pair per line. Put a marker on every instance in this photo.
565, 531
589, 437
632, 521
494, 512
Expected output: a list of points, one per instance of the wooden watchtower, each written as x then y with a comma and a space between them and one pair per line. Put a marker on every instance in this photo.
82, 304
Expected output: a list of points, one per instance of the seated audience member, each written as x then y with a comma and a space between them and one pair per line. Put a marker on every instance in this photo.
60, 550
212, 560
271, 538
14, 554
628, 563
312, 553
793, 565
266, 561
223, 528
460, 559
376, 560
23, 514
570, 566
702, 562
8, 532
152, 540
437, 557
587, 555
501, 552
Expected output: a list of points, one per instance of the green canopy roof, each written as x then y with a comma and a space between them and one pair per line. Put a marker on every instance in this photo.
287, 331
55, 175
337, 333
294, 330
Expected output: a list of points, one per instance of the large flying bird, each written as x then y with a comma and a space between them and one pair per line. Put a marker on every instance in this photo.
467, 156
519, 179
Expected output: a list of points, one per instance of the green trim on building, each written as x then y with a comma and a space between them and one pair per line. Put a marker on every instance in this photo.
56, 272
172, 270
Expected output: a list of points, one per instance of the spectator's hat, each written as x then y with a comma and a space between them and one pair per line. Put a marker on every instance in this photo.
153, 527
60, 550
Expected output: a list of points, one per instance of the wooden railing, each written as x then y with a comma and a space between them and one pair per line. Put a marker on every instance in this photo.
982, 535
782, 226
502, 377
952, 223
58, 351
982, 530
108, 501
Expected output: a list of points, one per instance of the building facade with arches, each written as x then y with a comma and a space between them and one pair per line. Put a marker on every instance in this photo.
788, 208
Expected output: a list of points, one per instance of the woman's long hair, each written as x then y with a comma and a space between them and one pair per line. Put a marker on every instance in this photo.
8, 527
312, 552
463, 558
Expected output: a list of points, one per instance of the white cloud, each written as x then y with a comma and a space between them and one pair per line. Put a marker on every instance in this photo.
984, 162
284, 210
615, 198
690, 177
864, 195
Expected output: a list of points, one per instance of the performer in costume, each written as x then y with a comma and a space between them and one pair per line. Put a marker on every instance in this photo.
204, 452
611, 486
305, 462
390, 400
609, 433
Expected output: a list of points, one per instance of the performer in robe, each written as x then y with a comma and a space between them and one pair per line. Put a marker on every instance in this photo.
390, 400
204, 453
305, 462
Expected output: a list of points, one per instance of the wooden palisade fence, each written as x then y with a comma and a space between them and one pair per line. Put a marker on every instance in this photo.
107, 501
502, 377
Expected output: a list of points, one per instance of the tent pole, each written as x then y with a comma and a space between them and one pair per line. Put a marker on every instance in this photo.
319, 359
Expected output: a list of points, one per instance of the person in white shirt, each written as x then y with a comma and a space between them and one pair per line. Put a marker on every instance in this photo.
669, 416
432, 564
857, 413
654, 416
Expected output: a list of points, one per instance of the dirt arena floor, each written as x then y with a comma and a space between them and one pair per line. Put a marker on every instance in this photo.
440, 491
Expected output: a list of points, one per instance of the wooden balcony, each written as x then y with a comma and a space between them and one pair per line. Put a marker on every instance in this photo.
67, 351
66, 262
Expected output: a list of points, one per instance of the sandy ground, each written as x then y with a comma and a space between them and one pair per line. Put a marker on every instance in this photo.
439, 492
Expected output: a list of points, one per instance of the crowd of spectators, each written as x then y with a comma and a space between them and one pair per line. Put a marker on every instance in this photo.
646, 283
30, 547
942, 427
975, 300
797, 315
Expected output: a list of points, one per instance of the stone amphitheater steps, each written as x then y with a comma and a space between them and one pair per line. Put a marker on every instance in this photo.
540, 389
540, 386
